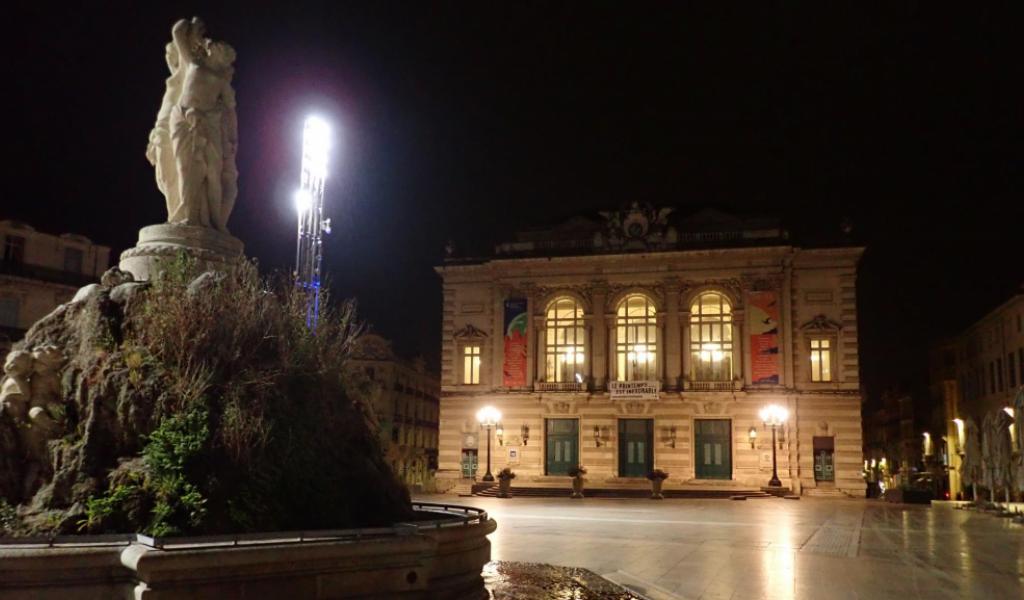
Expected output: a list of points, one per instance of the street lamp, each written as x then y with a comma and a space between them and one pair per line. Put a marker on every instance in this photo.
489, 418
309, 206
774, 416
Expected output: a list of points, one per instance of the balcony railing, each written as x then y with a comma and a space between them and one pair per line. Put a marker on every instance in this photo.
20, 269
634, 390
710, 386
558, 386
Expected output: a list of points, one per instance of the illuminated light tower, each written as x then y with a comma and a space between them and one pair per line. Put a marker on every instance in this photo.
309, 204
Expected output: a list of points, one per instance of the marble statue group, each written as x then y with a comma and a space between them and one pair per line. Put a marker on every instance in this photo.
195, 139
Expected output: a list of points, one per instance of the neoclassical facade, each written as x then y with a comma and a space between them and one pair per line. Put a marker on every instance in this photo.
405, 402
39, 272
640, 341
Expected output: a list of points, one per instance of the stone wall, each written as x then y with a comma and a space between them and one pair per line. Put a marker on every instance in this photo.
403, 562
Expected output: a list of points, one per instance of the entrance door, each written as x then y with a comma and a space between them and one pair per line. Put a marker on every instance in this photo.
469, 462
636, 447
713, 445
562, 445
824, 459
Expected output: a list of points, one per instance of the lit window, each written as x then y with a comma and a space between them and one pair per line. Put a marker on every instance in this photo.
821, 360
711, 338
563, 345
636, 339
471, 365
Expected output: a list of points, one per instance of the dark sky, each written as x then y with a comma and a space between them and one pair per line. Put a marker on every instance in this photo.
467, 120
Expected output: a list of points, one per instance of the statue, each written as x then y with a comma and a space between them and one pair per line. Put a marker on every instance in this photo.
159, 152
194, 142
192, 147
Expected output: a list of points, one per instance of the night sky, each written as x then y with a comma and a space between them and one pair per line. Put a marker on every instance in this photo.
470, 120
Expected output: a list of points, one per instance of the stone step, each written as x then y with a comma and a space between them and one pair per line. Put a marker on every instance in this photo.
556, 492
824, 493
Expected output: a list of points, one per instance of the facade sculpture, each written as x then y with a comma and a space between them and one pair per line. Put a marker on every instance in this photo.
195, 139
30, 400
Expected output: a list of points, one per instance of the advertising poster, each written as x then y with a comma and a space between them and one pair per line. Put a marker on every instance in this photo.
763, 308
514, 368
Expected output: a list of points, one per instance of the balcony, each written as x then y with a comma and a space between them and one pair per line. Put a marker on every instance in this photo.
68, 278
634, 390
710, 386
558, 386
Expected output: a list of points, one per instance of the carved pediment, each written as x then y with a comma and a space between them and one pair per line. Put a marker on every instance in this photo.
559, 407
634, 407
469, 332
821, 323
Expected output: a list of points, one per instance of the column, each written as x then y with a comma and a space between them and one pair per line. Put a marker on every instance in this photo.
498, 339
684, 317
531, 334
598, 348
786, 343
740, 356
673, 356
541, 349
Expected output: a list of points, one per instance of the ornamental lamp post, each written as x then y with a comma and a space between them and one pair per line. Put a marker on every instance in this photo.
489, 418
774, 416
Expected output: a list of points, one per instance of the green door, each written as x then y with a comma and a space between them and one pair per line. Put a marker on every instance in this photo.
824, 458
824, 467
636, 447
562, 444
469, 462
713, 448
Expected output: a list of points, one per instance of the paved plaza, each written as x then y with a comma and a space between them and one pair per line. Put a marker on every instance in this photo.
769, 548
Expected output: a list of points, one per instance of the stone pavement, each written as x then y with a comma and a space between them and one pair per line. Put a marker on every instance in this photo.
767, 549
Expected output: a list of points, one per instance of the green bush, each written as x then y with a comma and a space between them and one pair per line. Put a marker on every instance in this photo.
231, 414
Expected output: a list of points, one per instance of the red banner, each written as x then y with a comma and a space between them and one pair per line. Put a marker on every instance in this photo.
763, 308
514, 366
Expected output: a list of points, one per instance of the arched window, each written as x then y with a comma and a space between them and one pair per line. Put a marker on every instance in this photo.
563, 347
636, 339
711, 338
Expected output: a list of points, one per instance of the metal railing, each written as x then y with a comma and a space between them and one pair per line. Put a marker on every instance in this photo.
634, 390
558, 386
449, 515
710, 386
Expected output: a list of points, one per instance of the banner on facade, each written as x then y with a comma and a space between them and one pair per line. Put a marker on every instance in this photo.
764, 336
514, 366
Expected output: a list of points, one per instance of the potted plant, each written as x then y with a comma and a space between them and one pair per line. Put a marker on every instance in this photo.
577, 474
657, 477
505, 477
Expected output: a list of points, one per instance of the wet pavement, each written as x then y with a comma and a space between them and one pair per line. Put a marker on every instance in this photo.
766, 549
532, 581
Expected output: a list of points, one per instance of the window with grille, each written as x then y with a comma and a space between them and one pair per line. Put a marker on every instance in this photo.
636, 339
711, 338
564, 353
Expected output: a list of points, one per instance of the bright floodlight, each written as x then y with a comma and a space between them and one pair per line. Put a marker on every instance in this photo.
303, 201
316, 145
773, 414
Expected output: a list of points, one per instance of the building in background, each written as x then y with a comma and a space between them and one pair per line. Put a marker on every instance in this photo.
640, 340
38, 272
978, 372
406, 403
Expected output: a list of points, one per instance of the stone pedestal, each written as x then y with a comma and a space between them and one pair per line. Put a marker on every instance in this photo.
160, 245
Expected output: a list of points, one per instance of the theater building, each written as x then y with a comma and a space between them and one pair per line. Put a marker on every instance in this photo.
643, 340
